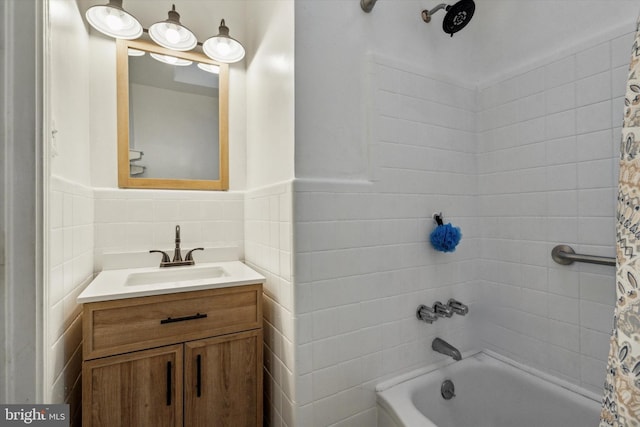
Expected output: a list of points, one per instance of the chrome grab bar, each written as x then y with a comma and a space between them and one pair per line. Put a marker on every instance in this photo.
565, 255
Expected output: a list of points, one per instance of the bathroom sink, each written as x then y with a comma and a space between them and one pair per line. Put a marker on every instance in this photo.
178, 275
148, 281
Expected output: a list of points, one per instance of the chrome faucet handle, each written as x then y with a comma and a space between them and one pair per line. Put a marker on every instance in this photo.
426, 314
165, 256
458, 307
442, 310
189, 256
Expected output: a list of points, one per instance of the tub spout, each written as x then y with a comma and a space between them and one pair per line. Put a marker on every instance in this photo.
441, 346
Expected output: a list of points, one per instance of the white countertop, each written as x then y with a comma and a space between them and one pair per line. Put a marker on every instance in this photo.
117, 284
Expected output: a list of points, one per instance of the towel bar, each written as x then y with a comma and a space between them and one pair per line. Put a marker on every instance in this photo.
564, 254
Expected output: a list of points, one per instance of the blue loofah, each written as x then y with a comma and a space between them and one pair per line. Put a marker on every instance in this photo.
445, 237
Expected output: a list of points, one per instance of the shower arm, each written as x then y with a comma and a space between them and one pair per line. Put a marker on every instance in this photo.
427, 14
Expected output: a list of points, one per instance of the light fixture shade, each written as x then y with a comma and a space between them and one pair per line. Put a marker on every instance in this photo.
171, 60
223, 48
135, 52
210, 68
172, 34
111, 19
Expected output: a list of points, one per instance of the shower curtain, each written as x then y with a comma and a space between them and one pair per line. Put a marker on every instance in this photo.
621, 400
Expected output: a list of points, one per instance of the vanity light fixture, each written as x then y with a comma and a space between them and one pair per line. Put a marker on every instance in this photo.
172, 34
223, 48
111, 19
171, 60
210, 68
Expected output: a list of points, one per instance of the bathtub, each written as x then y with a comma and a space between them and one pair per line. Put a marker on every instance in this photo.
490, 391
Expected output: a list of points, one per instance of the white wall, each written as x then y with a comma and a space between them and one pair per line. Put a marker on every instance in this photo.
268, 212
69, 260
270, 92
548, 156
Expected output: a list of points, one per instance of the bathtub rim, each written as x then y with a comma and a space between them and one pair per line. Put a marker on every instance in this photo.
402, 378
388, 401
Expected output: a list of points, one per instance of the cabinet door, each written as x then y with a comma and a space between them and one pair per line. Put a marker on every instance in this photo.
139, 389
223, 381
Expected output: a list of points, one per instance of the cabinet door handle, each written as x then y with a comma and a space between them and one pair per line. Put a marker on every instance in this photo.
169, 383
199, 376
182, 319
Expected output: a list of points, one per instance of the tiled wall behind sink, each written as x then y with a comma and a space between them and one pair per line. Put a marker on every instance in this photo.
140, 220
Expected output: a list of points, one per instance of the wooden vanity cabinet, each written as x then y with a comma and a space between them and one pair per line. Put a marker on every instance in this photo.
184, 359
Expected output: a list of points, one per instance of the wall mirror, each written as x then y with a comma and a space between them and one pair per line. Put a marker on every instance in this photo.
173, 125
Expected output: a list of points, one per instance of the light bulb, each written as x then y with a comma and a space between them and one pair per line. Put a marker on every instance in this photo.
172, 35
114, 21
223, 47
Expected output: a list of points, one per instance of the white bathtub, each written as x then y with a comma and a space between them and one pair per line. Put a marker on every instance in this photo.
491, 391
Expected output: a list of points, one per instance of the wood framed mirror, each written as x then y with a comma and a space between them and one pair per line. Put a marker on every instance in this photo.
173, 118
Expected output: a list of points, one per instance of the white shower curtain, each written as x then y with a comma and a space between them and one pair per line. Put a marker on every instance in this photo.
621, 401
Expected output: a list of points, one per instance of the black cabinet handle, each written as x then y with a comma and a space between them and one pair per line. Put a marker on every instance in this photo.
199, 376
169, 383
182, 319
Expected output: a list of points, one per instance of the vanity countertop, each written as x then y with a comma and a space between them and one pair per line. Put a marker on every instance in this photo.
148, 281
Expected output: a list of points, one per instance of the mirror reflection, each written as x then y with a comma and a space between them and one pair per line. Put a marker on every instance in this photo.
176, 126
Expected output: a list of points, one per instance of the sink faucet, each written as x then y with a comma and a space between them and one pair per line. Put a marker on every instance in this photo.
177, 254
441, 346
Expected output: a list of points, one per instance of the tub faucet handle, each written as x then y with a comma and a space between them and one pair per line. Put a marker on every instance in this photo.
426, 314
442, 310
458, 307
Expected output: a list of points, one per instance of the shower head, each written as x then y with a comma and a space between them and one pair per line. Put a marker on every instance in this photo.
457, 17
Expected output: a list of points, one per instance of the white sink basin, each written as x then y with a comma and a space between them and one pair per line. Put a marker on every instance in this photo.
140, 282
175, 275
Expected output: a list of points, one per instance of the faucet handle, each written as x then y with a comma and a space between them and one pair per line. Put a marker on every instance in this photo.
165, 256
189, 256
426, 314
442, 310
458, 307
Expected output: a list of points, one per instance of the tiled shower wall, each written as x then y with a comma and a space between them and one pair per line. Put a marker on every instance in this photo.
548, 141
362, 257
71, 269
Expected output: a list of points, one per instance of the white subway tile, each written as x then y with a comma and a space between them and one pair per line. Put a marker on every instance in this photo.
560, 125
596, 174
564, 335
564, 309
561, 98
596, 316
560, 72
619, 78
593, 117
593, 89
594, 344
595, 145
621, 50
593, 60
592, 373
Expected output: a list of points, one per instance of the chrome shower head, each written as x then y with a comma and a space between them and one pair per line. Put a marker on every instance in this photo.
457, 17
